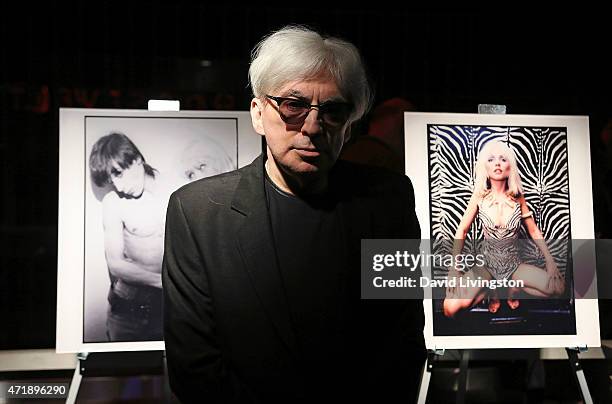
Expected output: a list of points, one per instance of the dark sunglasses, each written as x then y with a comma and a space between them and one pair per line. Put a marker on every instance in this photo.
294, 111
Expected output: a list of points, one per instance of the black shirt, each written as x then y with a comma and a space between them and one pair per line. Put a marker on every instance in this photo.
311, 250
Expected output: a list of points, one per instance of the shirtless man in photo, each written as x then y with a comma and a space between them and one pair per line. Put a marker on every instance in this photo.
133, 219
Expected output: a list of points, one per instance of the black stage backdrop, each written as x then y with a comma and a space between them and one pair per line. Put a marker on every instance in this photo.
119, 55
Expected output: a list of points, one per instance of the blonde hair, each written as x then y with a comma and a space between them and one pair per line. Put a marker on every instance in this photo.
204, 157
482, 184
299, 53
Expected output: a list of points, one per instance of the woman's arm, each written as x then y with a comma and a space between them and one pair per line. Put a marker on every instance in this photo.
464, 225
555, 282
459, 241
534, 231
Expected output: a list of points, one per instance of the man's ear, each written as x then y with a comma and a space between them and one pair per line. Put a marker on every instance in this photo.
347, 134
257, 108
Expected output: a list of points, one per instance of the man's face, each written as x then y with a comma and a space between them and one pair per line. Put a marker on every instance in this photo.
310, 147
129, 182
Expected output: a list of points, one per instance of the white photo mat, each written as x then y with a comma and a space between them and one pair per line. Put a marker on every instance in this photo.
581, 218
79, 216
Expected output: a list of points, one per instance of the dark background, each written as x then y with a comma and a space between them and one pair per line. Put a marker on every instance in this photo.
120, 54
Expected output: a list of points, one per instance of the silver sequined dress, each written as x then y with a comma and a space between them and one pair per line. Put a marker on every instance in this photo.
500, 244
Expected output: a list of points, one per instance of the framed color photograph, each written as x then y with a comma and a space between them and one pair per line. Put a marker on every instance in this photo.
513, 192
117, 171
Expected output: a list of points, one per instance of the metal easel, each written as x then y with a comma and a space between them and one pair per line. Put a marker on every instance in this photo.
572, 352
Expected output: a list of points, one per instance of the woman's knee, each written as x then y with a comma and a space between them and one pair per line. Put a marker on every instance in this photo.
453, 306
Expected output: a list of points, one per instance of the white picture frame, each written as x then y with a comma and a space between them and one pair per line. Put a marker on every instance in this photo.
417, 155
162, 137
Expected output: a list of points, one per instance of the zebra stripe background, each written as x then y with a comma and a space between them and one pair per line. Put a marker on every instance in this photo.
541, 154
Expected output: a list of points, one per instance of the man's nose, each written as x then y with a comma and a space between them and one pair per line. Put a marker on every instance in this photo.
312, 123
118, 185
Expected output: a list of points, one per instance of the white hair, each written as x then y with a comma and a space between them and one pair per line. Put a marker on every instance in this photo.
202, 158
299, 53
482, 185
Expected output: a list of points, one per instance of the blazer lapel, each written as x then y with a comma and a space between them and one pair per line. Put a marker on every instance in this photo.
256, 246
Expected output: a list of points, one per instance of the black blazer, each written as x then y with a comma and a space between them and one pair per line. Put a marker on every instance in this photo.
227, 329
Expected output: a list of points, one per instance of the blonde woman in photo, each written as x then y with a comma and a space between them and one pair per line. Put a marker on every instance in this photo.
498, 202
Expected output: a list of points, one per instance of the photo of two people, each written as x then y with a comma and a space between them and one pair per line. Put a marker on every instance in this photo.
134, 164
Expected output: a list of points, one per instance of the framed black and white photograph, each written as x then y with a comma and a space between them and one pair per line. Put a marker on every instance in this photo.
513, 191
117, 171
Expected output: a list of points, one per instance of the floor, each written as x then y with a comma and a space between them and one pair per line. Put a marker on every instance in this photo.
519, 377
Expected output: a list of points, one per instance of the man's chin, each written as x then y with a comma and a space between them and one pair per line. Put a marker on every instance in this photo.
307, 166
311, 167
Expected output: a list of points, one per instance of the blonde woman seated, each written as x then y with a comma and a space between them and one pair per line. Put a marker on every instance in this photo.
499, 204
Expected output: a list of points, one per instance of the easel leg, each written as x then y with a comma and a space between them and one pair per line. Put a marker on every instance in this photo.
463, 370
75, 384
572, 356
167, 391
425, 378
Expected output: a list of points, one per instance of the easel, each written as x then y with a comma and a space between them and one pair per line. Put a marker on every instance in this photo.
86, 366
77, 376
572, 353
81, 368
432, 355
572, 357
426, 376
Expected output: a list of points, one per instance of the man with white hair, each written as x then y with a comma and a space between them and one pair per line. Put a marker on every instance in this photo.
261, 270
